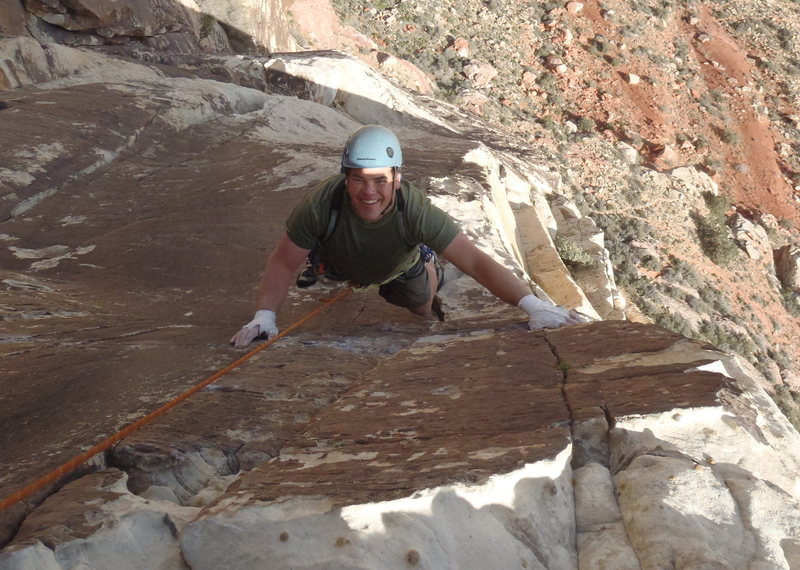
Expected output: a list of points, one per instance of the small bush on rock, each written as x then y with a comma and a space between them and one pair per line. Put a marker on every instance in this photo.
715, 237
791, 301
571, 253
789, 403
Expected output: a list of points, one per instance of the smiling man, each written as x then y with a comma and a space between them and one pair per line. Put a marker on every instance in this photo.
369, 227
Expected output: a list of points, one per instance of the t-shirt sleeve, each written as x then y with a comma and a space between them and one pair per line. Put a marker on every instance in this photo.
309, 219
434, 227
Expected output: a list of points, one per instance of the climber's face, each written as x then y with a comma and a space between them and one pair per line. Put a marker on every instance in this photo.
371, 191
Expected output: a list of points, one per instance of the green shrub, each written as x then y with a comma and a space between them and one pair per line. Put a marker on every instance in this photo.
712, 163
674, 323
681, 48
571, 254
716, 242
651, 263
786, 39
731, 137
696, 304
781, 357
682, 272
768, 65
715, 103
206, 24
548, 123
791, 301
716, 299
715, 237
727, 340
547, 82
789, 403
601, 44
586, 125
718, 206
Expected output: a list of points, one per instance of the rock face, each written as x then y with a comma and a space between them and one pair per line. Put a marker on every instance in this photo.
751, 237
787, 266
183, 26
596, 280
252, 24
138, 202
110, 527
540, 463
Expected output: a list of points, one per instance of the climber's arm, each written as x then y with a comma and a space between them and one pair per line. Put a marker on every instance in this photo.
499, 280
505, 285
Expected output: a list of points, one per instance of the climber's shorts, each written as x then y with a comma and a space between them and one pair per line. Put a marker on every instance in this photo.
412, 288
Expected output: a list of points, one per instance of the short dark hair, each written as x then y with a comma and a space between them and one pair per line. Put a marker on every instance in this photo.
395, 170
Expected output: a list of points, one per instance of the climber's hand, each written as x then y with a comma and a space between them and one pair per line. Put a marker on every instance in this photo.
543, 315
263, 324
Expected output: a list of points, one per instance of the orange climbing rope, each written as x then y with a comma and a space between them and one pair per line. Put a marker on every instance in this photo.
73, 463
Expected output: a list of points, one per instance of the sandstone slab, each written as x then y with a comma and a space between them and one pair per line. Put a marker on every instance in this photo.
438, 415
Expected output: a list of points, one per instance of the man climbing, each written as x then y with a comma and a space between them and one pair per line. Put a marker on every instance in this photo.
369, 227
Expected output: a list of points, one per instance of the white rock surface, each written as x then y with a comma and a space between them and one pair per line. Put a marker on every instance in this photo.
433, 527
728, 498
120, 530
264, 21
752, 237
602, 539
787, 266
25, 61
673, 511
595, 502
357, 89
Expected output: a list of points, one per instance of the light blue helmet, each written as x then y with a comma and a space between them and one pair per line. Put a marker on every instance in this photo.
372, 146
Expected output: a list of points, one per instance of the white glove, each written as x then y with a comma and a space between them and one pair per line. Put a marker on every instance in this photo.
263, 323
543, 315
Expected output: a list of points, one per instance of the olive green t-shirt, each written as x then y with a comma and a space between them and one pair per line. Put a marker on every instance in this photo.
369, 252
